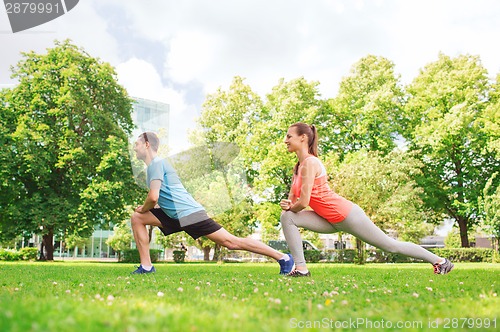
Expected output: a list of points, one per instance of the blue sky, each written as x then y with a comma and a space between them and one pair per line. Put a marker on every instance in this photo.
180, 51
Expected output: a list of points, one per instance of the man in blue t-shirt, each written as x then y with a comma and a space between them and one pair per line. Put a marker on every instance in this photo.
169, 206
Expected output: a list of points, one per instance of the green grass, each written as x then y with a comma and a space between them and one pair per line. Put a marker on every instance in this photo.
82, 296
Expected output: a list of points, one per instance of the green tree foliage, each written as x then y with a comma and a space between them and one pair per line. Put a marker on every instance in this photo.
121, 238
8, 194
71, 120
446, 104
384, 187
368, 111
289, 102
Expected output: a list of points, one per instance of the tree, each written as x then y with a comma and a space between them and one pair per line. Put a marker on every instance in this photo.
446, 103
223, 137
72, 168
8, 197
121, 238
368, 111
288, 103
490, 202
384, 187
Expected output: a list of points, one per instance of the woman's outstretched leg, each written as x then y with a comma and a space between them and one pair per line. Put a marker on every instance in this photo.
358, 224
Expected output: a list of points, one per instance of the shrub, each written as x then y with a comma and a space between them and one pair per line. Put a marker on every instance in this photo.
312, 256
9, 255
466, 254
179, 256
380, 256
340, 255
132, 255
29, 253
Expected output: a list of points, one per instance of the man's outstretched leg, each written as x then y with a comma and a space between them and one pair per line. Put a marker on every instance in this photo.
228, 240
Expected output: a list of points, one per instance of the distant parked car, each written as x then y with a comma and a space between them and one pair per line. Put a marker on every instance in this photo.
281, 245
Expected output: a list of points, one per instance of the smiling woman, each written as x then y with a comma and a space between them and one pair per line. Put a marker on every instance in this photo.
330, 212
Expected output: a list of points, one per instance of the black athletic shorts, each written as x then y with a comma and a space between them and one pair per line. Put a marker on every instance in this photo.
171, 226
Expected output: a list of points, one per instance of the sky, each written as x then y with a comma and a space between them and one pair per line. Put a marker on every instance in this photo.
178, 52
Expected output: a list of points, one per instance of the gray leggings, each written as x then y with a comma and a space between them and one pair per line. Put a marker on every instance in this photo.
356, 223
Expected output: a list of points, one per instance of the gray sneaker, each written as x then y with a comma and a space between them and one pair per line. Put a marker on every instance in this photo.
298, 274
444, 268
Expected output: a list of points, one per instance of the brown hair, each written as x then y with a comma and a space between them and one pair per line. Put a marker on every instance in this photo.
312, 139
152, 139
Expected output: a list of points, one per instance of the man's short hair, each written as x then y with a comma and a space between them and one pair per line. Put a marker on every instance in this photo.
152, 138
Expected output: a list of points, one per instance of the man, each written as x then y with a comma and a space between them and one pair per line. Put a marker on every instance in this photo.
178, 211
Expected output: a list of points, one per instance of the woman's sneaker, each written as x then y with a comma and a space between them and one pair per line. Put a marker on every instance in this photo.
443, 268
298, 274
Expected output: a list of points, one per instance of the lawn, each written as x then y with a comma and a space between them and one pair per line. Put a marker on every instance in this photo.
83, 296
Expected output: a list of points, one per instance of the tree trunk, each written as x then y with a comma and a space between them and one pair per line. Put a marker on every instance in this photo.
360, 246
464, 238
48, 244
206, 253
150, 233
217, 253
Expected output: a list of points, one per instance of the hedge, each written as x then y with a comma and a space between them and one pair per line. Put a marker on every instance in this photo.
132, 255
25, 254
378, 256
466, 254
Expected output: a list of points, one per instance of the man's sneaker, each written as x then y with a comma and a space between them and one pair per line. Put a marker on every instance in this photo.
298, 274
286, 266
140, 270
444, 268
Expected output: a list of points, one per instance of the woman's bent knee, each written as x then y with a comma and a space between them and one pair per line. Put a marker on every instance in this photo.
286, 217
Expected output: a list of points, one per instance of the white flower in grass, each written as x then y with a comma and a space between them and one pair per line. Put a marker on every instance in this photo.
255, 290
429, 289
160, 294
368, 300
290, 290
197, 288
54, 283
415, 294
320, 307
223, 295
461, 283
110, 297
277, 301
98, 297
266, 294
494, 294
482, 296
344, 302
68, 291
235, 298
180, 289
81, 285
430, 280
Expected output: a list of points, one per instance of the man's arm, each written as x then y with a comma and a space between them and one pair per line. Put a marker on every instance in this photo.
152, 198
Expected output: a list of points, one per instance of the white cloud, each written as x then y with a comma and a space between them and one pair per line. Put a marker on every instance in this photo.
191, 56
143, 81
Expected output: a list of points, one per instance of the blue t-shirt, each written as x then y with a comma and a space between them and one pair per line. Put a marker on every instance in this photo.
174, 199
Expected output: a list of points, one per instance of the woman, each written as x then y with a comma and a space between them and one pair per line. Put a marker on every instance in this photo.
330, 212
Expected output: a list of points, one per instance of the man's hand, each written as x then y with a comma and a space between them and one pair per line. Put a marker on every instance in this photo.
139, 209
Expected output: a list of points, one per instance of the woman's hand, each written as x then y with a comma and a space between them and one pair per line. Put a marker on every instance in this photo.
286, 204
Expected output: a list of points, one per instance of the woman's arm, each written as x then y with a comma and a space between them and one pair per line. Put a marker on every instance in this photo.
308, 173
